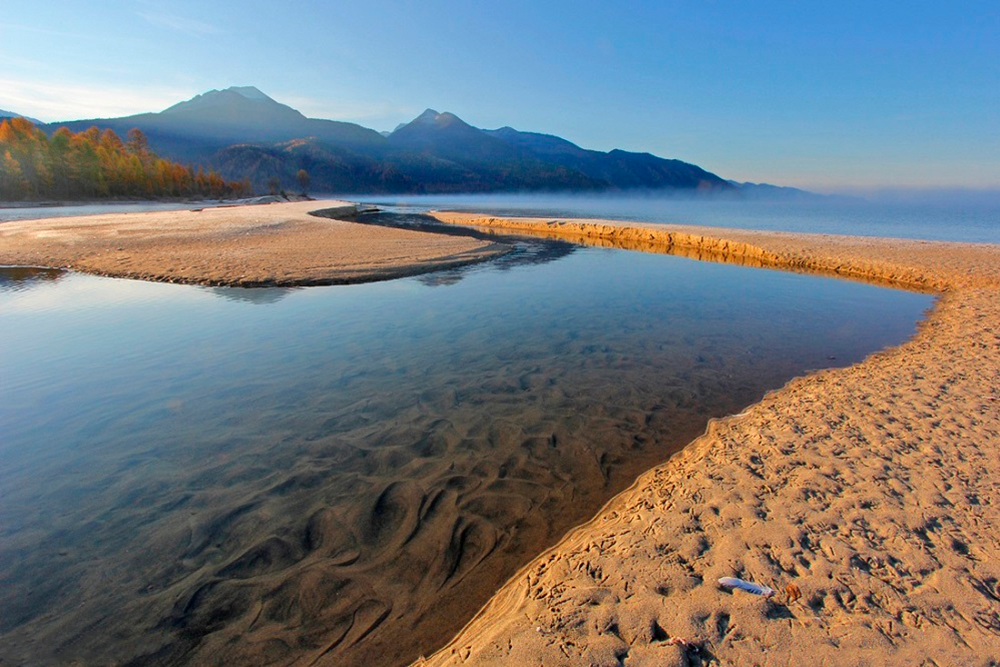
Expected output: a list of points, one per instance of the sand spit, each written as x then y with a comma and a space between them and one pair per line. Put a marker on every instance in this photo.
247, 246
874, 489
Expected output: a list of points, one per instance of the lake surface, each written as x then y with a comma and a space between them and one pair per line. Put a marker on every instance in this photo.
8, 214
976, 220
345, 474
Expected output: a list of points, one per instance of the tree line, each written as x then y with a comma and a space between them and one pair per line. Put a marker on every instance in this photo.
95, 164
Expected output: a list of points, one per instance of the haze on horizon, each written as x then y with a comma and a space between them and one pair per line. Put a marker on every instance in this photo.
857, 97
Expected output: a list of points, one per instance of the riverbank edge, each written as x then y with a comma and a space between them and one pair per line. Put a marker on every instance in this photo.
117, 245
551, 612
127, 201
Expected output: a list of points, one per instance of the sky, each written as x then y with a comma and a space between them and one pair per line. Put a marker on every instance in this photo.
832, 96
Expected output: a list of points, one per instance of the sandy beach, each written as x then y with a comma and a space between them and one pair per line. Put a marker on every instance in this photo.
247, 246
872, 490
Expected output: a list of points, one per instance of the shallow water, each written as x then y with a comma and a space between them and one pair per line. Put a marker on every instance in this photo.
351, 471
8, 214
976, 220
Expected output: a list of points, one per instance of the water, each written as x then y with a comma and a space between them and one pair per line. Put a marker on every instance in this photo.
976, 221
256, 476
8, 214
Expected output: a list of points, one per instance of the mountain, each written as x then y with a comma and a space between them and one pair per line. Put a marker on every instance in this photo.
497, 164
448, 136
195, 129
621, 169
11, 114
768, 191
242, 132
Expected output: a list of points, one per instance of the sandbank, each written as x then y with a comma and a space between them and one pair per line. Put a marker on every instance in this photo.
248, 246
874, 489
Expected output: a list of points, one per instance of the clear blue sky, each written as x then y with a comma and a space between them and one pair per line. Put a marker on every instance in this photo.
818, 94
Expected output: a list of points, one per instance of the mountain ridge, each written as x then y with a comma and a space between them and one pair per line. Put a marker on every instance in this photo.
242, 132
13, 114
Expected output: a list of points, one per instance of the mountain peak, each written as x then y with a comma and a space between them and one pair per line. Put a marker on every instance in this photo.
428, 116
430, 123
233, 97
432, 117
249, 92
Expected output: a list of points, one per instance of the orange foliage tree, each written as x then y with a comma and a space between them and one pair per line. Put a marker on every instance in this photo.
94, 164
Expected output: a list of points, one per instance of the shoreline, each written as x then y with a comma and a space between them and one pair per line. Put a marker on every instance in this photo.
69, 203
273, 245
871, 488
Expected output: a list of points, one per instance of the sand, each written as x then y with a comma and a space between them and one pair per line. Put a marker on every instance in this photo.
274, 244
874, 489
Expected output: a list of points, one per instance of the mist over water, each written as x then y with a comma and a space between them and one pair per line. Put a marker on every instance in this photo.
938, 217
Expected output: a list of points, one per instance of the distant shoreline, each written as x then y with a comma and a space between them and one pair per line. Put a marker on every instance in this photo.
145, 200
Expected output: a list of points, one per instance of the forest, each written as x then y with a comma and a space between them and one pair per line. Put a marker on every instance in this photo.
94, 165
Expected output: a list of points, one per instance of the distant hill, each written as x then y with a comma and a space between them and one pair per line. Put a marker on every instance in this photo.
768, 191
245, 134
623, 169
11, 114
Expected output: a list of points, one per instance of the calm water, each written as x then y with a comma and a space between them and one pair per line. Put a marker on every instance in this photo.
975, 221
349, 472
36, 212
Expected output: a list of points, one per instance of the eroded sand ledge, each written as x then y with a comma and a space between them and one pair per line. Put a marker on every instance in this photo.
247, 246
874, 488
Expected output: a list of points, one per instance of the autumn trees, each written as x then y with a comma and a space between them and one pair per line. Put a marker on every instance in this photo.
303, 178
95, 164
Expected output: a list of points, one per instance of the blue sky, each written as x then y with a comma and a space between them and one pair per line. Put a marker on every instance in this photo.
827, 95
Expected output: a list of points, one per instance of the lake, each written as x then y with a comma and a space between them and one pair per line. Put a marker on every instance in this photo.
973, 220
10, 213
345, 474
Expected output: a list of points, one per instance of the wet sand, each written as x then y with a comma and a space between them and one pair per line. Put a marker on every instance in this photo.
874, 489
248, 246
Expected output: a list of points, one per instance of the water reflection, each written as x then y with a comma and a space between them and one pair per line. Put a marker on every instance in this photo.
441, 278
21, 278
260, 296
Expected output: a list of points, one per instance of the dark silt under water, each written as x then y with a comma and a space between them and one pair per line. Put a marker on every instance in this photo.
343, 475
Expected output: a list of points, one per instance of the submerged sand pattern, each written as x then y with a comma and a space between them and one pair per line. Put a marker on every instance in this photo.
358, 499
874, 489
